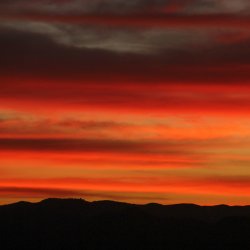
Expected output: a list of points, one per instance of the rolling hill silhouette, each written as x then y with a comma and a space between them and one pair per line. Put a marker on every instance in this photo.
72, 224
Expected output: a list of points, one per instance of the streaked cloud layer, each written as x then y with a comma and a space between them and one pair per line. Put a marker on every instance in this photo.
139, 101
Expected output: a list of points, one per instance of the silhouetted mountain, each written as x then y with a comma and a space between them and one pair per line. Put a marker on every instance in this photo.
74, 224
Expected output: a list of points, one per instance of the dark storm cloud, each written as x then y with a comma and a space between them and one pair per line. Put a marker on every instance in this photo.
87, 6
154, 20
38, 55
122, 6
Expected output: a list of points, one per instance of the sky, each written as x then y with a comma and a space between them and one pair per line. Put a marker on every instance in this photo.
136, 101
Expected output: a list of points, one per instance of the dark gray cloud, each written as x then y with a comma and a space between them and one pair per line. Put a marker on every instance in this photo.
86, 6
114, 39
122, 6
38, 55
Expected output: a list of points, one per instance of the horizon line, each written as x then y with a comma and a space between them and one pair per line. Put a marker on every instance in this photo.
116, 201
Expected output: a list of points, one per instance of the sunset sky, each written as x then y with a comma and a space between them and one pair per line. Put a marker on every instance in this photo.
137, 101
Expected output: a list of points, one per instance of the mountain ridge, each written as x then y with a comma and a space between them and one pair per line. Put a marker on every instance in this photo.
76, 224
181, 210
118, 202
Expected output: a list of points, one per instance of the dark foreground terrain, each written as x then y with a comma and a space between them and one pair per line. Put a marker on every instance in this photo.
73, 224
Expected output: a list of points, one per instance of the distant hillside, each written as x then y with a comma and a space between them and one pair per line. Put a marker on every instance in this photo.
72, 224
